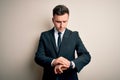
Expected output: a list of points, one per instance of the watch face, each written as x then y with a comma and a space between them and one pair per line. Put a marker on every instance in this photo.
71, 65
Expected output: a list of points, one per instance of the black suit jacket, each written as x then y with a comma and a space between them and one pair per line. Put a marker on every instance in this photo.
47, 51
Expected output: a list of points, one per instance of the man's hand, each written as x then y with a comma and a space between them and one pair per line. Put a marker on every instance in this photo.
61, 61
61, 64
60, 68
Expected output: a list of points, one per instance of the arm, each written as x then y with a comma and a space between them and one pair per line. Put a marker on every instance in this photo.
40, 57
83, 55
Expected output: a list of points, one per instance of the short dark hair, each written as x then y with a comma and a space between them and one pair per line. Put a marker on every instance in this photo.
60, 10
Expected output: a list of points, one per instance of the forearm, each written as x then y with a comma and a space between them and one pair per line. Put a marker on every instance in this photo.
43, 60
82, 61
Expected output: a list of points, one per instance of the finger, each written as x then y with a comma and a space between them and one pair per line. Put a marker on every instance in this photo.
64, 67
57, 62
55, 71
60, 69
63, 61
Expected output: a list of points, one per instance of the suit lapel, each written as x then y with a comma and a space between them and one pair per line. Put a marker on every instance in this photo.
52, 38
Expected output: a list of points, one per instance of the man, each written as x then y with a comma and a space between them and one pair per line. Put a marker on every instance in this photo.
56, 50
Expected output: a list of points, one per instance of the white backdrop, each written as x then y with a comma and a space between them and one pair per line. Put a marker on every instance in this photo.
22, 21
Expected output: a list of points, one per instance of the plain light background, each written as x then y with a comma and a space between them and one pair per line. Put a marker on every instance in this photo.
22, 21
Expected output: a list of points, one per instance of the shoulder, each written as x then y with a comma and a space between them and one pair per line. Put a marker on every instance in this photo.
72, 32
45, 33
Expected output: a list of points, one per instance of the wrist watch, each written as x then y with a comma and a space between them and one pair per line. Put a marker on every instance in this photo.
71, 65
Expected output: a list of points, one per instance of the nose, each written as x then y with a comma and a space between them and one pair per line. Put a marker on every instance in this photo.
61, 24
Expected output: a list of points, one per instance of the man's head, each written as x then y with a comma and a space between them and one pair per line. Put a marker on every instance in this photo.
60, 17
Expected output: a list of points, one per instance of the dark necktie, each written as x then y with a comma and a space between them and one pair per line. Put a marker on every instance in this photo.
59, 40
58, 46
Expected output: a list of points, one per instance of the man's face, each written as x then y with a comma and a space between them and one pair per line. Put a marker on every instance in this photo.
60, 21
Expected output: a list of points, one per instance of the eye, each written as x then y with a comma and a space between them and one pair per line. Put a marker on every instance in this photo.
64, 21
58, 21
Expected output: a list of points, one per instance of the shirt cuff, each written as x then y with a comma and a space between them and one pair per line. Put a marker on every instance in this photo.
52, 62
73, 64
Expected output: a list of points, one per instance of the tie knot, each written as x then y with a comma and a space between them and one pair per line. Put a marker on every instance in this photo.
59, 33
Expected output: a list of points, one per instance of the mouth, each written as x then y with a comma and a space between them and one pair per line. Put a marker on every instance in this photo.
61, 29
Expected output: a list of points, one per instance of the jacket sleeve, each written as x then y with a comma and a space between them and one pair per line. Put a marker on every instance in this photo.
83, 55
40, 57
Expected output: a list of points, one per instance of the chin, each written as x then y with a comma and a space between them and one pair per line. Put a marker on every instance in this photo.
61, 30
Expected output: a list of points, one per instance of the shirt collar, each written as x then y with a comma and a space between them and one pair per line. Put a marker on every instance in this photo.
57, 31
